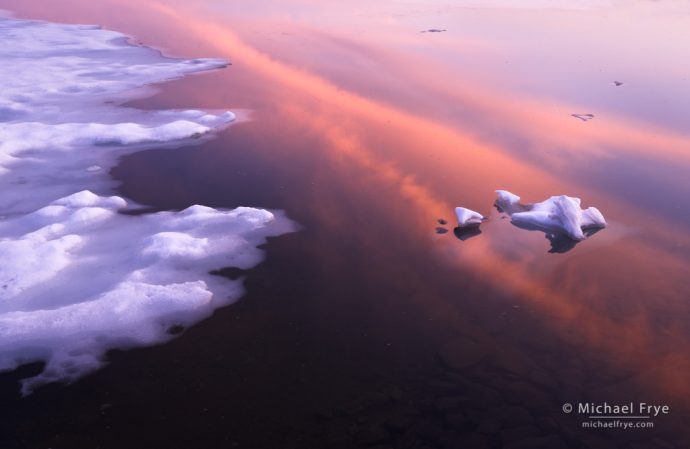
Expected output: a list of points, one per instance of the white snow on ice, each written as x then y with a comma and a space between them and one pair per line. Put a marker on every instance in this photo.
556, 214
468, 217
79, 278
55, 80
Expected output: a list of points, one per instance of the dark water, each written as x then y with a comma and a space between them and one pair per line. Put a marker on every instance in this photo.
368, 328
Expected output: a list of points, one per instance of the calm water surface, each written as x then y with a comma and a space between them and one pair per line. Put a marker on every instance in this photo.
367, 328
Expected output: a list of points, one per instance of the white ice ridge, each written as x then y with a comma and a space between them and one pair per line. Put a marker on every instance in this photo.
83, 278
78, 277
467, 217
60, 90
557, 214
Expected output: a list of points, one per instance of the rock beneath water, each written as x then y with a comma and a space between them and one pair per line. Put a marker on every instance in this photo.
475, 441
375, 399
372, 435
428, 431
401, 419
440, 230
442, 221
513, 415
450, 404
323, 413
461, 353
337, 440
393, 392
457, 421
489, 425
519, 433
523, 393
444, 387
547, 442
467, 217
547, 424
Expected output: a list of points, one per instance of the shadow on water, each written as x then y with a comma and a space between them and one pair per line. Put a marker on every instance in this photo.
466, 232
560, 243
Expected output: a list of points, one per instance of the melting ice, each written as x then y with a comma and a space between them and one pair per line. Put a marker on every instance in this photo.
468, 217
556, 214
79, 278
559, 217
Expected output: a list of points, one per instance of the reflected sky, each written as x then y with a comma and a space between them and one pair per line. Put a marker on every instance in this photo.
375, 115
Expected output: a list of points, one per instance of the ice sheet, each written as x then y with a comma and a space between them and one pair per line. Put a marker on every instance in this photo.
79, 277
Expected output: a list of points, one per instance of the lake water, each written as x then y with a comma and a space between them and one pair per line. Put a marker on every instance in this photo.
367, 328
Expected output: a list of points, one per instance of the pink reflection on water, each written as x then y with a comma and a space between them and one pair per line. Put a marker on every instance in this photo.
408, 112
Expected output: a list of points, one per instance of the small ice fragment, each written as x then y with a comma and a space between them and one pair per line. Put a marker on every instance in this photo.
617, 83
94, 168
507, 202
583, 117
467, 217
592, 218
432, 30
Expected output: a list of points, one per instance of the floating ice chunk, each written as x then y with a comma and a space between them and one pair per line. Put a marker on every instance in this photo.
508, 202
583, 117
557, 214
592, 218
468, 217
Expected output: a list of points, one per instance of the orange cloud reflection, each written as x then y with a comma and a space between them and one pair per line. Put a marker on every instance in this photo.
339, 117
